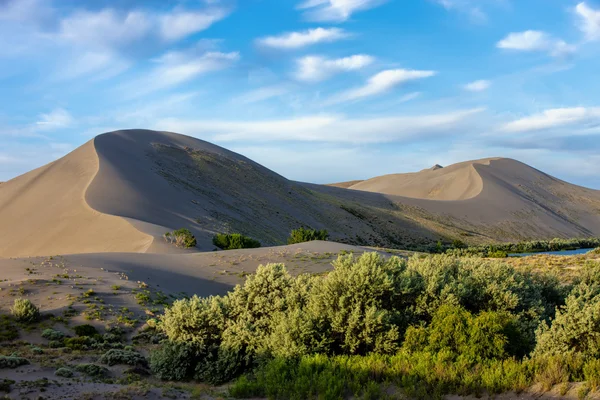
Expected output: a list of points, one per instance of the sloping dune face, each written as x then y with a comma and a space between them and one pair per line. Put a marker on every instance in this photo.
456, 182
161, 181
44, 212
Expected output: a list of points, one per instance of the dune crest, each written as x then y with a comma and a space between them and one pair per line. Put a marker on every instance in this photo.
44, 212
456, 182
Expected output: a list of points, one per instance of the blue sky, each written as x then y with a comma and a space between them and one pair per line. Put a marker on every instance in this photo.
317, 90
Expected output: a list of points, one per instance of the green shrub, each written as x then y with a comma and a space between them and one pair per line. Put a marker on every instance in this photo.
173, 361
591, 372
25, 311
8, 329
56, 344
5, 385
79, 343
181, 238
234, 241
64, 372
302, 235
85, 330
12, 362
122, 357
497, 254
52, 334
92, 370
576, 327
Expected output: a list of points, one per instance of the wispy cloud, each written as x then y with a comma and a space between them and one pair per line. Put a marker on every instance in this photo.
589, 21
326, 128
56, 119
470, 7
179, 24
581, 117
177, 67
318, 68
529, 41
296, 40
381, 83
335, 10
478, 86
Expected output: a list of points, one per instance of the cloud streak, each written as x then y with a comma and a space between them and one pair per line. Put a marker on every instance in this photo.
535, 41
318, 68
296, 40
326, 128
335, 10
381, 83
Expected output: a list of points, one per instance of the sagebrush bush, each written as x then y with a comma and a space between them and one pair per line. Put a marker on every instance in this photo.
122, 357
64, 372
25, 311
12, 362
467, 315
302, 235
234, 241
174, 361
93, 370
52, 334
85, 330
181, 238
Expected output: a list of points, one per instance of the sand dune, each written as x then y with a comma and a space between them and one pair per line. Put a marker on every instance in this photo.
122, 191
456, 182
44, 212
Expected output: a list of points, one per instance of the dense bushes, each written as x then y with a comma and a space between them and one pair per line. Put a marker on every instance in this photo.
12, 362
181, 238
465, 311
500, 250
234, 241
302, 235
25, 311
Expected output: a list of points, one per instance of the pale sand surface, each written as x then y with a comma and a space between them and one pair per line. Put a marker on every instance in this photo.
44, 212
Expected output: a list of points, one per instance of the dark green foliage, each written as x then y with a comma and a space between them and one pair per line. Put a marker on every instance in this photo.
8, 329
302, 235
12, 362
5, 385
181, 238
25, 311
93, 370
122, 357
52, 334
79, 343
234, 241
85, 330
173, 362
497, 249
64, 373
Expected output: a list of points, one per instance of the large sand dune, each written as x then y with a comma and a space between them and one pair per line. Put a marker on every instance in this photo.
123, 190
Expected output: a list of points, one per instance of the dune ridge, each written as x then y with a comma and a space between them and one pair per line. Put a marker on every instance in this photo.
41, 209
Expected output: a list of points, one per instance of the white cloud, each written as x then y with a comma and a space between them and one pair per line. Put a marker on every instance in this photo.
317, 68
325, 128
103, 64
295, 40
584, 118
590, 21
180, 24
478, 86
56, 119
535, 41
381, 83
177, 67
335, 10
105, 28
